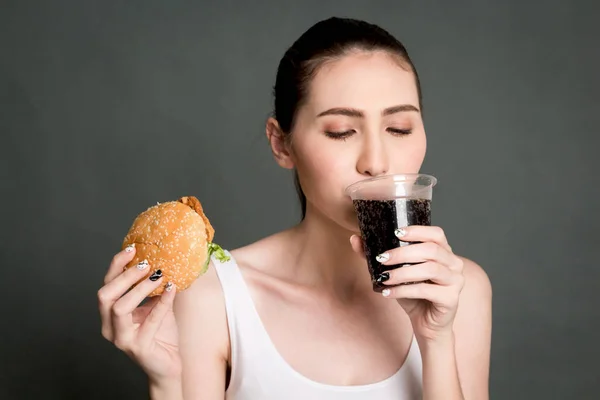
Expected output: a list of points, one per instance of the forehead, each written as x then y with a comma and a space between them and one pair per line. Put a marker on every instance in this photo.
363, 80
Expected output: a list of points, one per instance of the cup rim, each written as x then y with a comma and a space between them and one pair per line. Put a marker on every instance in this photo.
403, 177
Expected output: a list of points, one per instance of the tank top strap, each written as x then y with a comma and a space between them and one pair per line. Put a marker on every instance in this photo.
242, 317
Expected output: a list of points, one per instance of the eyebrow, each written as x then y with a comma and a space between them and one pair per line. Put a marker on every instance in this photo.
352, 112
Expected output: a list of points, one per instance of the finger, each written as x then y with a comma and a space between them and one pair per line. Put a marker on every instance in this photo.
357, 245
119, 261
130, 303
122, 311
112, 291
429, 270
420, 233
152, 323
439, 295
417, 253
141, 312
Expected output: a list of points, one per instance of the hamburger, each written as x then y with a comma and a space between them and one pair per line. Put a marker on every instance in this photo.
174, 237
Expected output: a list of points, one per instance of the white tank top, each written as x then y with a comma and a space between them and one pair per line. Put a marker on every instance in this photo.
258, 371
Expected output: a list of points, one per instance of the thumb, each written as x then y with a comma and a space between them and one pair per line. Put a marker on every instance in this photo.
357, 245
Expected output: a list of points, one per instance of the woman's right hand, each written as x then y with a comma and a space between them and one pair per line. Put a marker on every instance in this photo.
148, 333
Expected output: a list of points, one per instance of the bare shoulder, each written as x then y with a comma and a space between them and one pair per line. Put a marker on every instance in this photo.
477, 281
203, 337
476, 296
202, 302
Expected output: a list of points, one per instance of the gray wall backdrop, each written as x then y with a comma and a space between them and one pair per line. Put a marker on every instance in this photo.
109, 106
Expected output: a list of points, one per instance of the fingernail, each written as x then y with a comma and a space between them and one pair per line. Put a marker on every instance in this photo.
130, 248
400, 232
169, 286
142, 265
156, 275
386, 292
383, 257
383, 277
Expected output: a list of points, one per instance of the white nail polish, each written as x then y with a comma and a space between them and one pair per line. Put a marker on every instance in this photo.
169, 286
129, 248
386, 292
383, 257
400, 232
143, 265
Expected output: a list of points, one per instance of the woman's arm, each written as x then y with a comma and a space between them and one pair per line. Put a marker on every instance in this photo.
168, 390
473, 332
456, 366
203, 338
440, 372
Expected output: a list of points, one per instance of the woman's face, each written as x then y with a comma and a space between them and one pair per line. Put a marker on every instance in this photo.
361, 119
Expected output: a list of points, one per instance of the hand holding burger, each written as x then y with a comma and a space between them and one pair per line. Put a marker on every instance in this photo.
175, 239
167, 248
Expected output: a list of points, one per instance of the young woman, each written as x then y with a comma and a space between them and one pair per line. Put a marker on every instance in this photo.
294, 315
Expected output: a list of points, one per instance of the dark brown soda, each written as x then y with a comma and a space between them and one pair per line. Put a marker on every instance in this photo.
378, 220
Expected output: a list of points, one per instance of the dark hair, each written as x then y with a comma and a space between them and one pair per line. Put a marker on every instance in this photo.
326, 40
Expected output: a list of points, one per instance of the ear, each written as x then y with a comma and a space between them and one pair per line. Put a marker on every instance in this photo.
279, 144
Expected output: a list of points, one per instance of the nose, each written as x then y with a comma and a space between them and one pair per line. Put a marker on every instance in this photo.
374, 158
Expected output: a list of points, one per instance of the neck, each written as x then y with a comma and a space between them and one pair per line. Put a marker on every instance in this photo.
323, 257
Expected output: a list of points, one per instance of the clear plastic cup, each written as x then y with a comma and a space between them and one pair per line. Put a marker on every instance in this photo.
384, 204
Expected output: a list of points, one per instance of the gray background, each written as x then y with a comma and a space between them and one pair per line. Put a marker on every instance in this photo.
109, 106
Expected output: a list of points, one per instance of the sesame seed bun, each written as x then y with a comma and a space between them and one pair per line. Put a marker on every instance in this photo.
174, 237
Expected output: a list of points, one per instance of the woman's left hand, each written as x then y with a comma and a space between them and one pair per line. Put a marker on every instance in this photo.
428, 291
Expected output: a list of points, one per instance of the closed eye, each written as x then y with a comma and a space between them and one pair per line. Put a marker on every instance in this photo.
340, 135
399, 132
